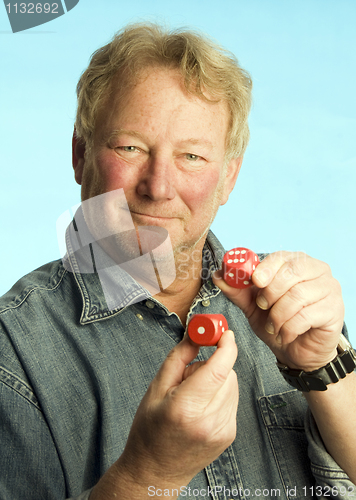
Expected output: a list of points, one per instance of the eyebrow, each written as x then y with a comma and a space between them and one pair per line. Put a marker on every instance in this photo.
134, 133
193, 141
118, 132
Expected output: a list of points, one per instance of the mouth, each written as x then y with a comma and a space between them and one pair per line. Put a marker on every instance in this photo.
152, 217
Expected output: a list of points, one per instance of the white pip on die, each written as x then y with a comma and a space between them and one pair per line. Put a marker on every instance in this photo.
238, 266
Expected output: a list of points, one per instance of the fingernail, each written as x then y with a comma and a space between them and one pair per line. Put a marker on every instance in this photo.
269, 327
231, 333
262, 302
278, 339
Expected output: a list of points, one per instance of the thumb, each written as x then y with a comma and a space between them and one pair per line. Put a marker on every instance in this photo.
244, 298
172, 370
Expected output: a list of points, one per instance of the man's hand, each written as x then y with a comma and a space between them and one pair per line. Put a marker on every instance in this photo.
186, 419
295, 307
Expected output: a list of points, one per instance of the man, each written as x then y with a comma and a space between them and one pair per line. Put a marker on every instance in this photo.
106, 402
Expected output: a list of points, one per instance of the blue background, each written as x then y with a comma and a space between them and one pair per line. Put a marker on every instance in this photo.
296, 189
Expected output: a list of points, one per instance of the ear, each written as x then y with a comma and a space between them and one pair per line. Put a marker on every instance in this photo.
232, 171
78, 152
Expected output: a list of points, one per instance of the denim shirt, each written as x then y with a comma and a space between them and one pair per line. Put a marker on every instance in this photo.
73, 372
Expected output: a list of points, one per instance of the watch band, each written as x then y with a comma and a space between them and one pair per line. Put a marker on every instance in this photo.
317, 380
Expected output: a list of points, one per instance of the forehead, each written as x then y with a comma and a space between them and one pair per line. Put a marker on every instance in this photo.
160, 93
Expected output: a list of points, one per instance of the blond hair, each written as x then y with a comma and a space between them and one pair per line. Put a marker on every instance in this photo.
207, 69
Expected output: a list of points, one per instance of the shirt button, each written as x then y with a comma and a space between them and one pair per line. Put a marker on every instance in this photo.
206, 303
150, 304
139, 316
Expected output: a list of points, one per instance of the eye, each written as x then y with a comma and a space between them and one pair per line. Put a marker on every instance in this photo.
192, 157
129, 149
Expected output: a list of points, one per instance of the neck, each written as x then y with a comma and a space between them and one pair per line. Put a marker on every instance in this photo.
179, 296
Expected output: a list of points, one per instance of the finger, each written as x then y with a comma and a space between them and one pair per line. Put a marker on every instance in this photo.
172, 370
319, 315
210, 377
268, 268
296, 298
190, 369
282, 272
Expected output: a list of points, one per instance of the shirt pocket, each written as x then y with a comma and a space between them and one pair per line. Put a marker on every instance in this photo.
283, 417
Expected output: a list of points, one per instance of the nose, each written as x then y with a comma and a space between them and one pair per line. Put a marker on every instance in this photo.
157, 179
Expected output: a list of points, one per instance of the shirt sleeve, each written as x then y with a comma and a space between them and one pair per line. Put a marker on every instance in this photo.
330, 478
29, 464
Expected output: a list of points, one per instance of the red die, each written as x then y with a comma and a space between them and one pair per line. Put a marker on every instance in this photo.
206, 329
238, 266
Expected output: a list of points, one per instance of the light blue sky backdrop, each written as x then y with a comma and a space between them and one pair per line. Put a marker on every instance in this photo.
296, 190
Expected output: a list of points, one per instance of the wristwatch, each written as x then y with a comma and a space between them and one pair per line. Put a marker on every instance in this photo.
317, 380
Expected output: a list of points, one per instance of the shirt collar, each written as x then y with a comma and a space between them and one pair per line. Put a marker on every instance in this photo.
89, 261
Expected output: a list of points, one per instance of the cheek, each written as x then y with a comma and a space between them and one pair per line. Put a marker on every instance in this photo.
202, 192
109, 173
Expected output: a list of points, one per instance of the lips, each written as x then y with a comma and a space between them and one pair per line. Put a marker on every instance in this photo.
151, 216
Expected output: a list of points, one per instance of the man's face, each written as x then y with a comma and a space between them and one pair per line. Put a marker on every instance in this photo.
166, 149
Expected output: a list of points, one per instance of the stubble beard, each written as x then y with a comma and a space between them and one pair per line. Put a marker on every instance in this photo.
126, 246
